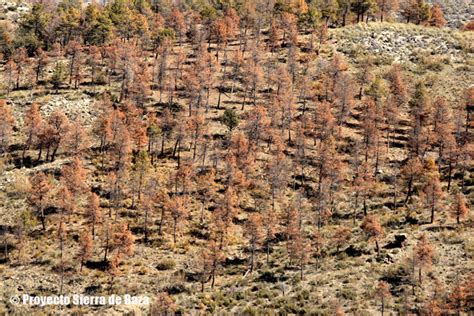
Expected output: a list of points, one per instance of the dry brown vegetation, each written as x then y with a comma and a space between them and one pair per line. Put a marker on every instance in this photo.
245, 161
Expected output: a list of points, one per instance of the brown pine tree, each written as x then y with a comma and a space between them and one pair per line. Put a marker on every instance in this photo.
119, 242
39, 195
223, 217
32, 124
221, 34
197, 124
341, 237
65, 201
277, 170
344, 97
102, 128
76, 60
178, 211
138, 177
77, 139
201, 265
167, 125
252, 76
74, 176
86, 245
432, 194
397, 98
94, 62
59, 129
254, 233
423, 255
6, 126
62, 235
420, 105
20, 56
269, 228
122, 149
41, 63
459, 209
336, 68
386, 7
383, 292
373, 230
206, 189
324, 123
299, 249
458, 299
436, 16
364, 187
148, 205
163, 304
216, 256
370, 129
257, 125
178, 24
10, 70
93, 212
411, 172
443, 128
318, 242
123, 239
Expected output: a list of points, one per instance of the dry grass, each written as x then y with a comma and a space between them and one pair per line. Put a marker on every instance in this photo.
337, 278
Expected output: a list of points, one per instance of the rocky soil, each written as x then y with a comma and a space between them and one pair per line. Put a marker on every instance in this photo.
12, 11
77, 106
401, 42
456, 12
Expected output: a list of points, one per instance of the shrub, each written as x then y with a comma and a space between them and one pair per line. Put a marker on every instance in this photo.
250, 310
230, 119
265, 293
469, 26
451, 238
20, 186
166, 264
349, 293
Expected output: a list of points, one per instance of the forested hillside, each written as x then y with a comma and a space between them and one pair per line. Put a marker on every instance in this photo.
238, 157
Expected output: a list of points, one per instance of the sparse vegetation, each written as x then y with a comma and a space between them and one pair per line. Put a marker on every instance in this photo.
243, 157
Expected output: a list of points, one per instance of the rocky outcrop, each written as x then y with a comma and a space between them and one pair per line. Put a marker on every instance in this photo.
77, 107
401, 42
456, 12
12, 11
